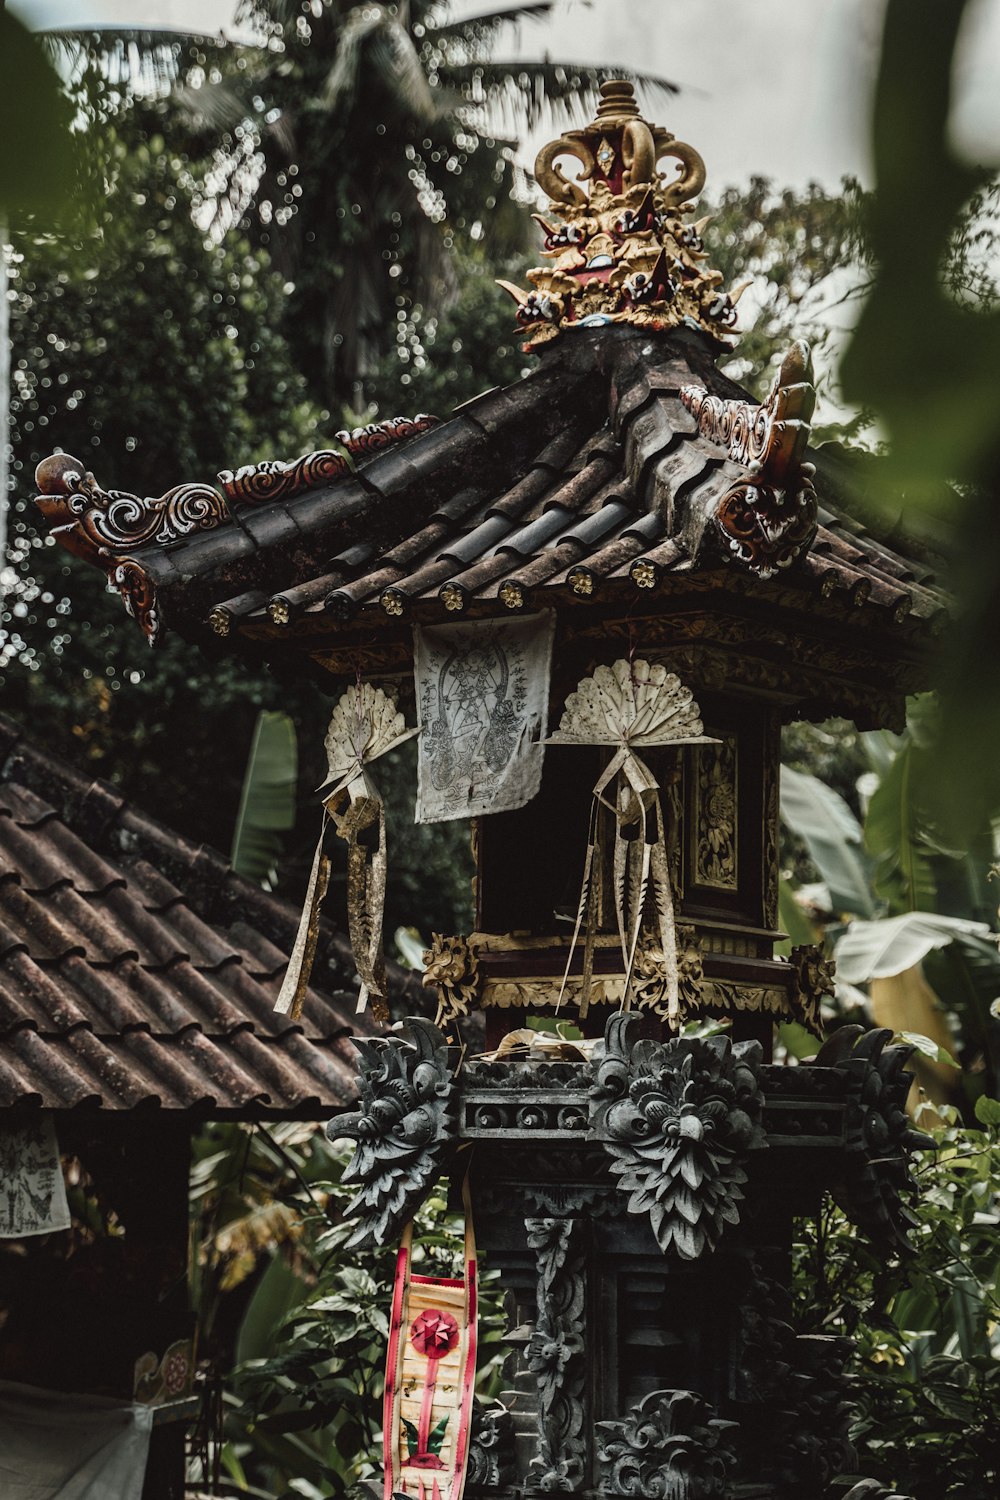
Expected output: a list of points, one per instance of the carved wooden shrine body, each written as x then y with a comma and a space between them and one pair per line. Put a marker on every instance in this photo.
637, 1198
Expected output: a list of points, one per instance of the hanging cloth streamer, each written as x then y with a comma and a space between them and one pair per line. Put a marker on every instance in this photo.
628, 705
364, 725
430, 1376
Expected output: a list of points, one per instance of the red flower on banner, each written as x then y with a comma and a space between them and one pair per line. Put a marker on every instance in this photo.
434, 1333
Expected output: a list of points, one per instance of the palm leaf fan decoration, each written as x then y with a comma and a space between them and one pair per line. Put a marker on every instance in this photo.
628, 705
364, 725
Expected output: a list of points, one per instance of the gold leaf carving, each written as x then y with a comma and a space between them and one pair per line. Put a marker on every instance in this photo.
716, 806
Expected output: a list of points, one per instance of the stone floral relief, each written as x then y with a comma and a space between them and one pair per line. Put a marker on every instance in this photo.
492, 1459
671, 1446
404, 1129
879, 1140
556, 1354
678, 1120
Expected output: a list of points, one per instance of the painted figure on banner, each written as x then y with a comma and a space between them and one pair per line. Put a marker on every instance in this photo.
482, 692
33, 1193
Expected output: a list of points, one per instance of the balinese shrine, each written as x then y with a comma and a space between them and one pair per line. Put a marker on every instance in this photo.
596, 596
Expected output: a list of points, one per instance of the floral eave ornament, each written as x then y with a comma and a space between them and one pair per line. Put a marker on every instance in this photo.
365, 724
630, 705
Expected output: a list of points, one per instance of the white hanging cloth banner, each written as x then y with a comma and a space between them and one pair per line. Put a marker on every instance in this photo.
32, 1189
627, 705
483, 701
59, 1447
364, 725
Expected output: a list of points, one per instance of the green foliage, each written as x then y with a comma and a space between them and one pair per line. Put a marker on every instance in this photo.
927, 1372
806, 253
39, 164
439, 361
923, 356
930, 925
358, 146
891, 945
832, 834
151, 355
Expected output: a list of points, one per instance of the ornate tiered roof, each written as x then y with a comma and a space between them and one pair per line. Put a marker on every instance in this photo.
624, 473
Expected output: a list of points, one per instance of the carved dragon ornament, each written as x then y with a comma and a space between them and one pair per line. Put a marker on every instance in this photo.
767, 518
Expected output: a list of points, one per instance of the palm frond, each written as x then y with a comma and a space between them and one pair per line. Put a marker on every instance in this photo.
521, 95
342, 81
474, 30
215, 106
375, 34
392, 49
145, 62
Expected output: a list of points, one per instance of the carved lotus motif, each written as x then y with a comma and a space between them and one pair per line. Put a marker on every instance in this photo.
678, 1119
404, 1128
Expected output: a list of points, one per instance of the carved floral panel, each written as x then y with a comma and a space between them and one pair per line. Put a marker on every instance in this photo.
716, 840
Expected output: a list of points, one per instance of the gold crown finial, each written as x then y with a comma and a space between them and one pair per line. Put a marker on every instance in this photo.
620, 248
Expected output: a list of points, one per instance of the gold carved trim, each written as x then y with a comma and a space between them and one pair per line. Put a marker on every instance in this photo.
814, 978
770, 846
454, 966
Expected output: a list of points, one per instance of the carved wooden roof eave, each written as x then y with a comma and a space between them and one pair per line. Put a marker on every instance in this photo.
824, 674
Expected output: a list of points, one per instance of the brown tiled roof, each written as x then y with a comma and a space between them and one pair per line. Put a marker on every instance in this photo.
137, 970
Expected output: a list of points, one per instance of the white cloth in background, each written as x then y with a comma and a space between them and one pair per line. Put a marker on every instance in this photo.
483, 700
32, 1190
59, 1447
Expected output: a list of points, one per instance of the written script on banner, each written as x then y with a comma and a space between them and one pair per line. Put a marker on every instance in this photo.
32, 1190
483, 698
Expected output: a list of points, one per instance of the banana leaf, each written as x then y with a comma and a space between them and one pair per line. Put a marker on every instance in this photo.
267, 803
832, 834
891, 945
